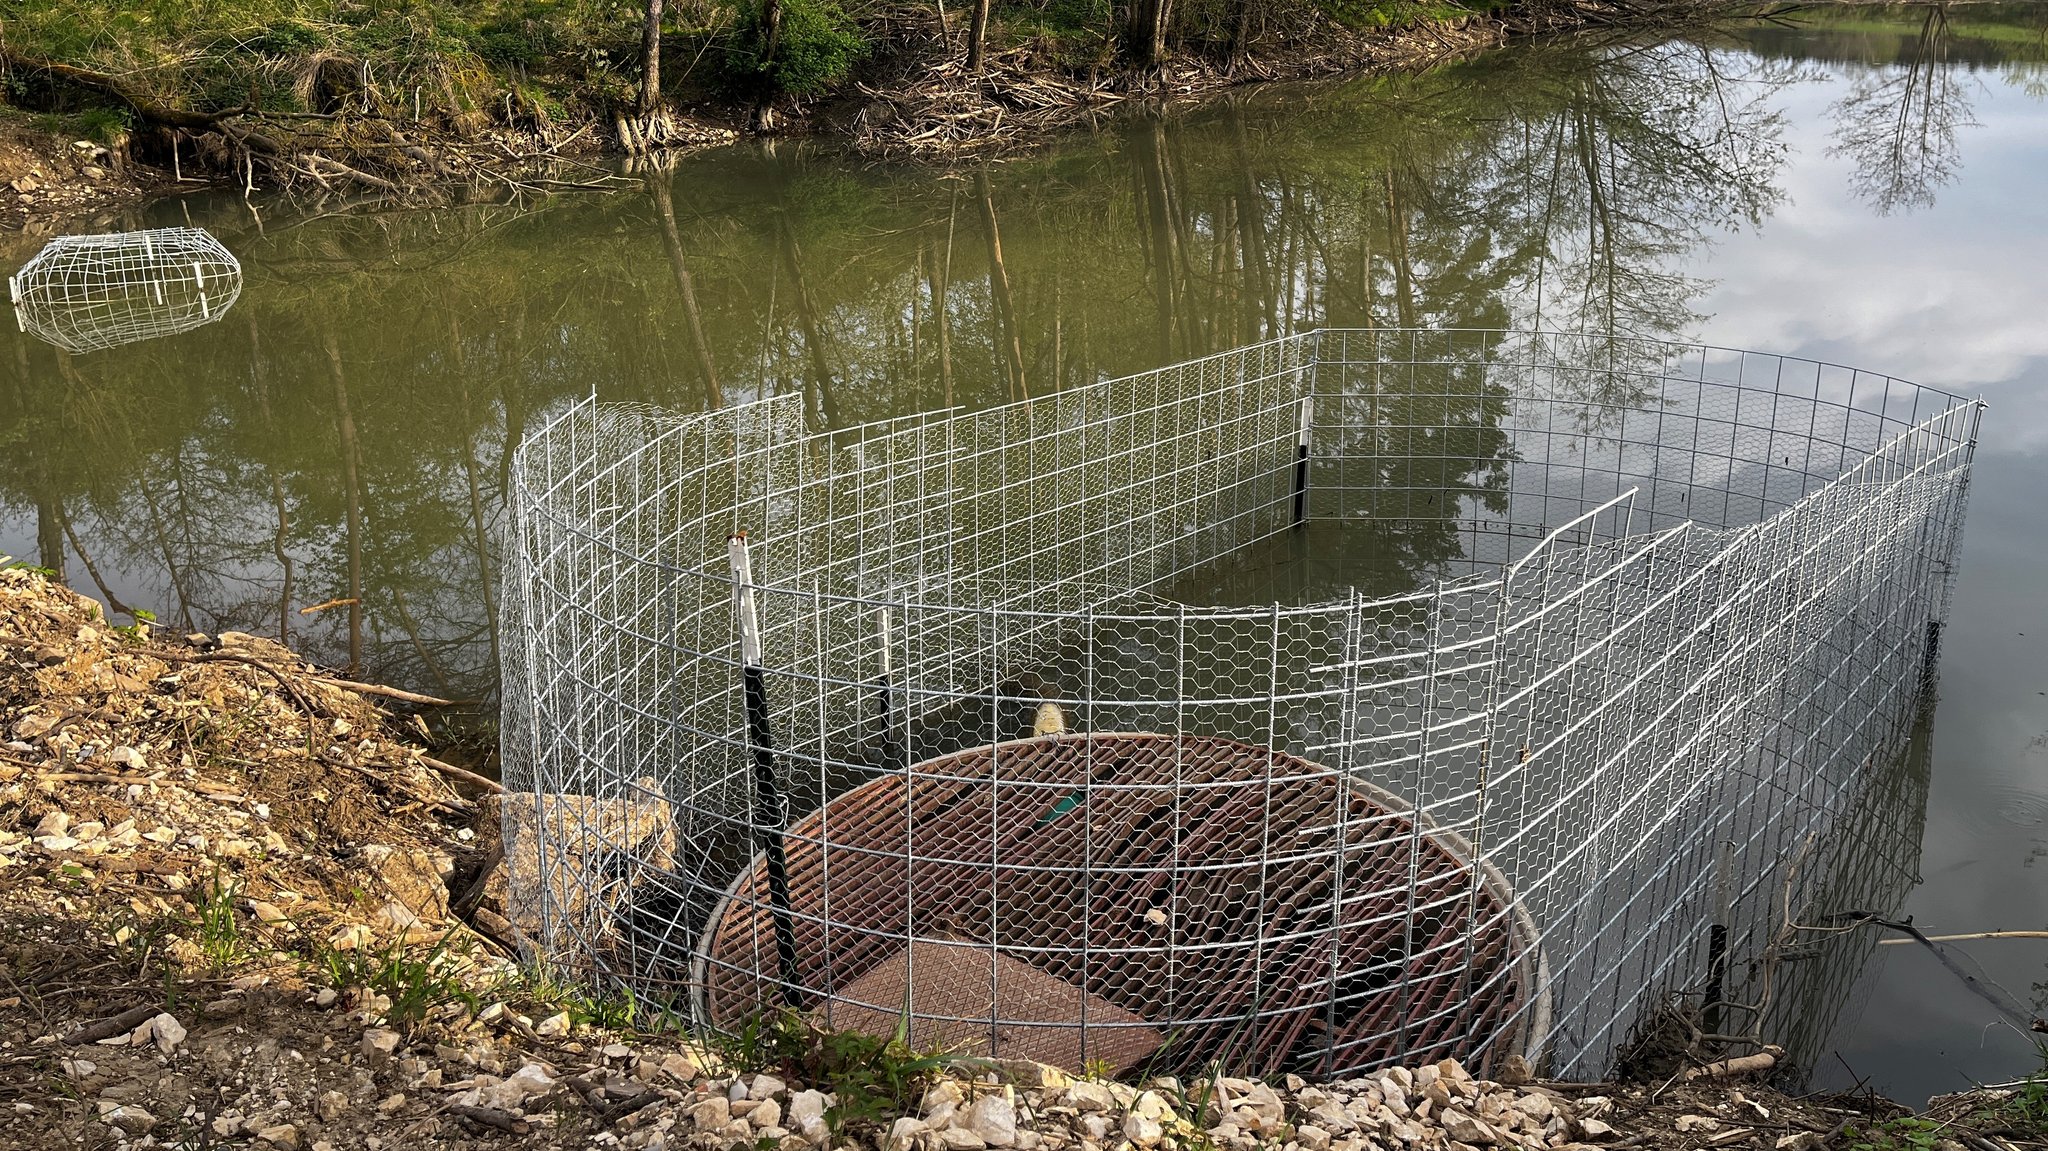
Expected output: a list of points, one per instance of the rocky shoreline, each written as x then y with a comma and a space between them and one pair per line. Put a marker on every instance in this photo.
240, 905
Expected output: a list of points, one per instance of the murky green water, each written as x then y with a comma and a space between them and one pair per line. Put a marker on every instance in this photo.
1868, 191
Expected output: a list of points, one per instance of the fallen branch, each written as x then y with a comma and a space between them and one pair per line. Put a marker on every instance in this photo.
311, 608
1740, 1065
112, 1025
1967, 936
492, 1117
464, 774
390, 692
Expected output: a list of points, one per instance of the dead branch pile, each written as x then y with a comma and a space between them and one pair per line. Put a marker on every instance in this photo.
939, 107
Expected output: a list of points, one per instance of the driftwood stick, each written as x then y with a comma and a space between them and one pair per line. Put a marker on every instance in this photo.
390, 692
1740, 1065
463, 774
492, 1117
113, 1025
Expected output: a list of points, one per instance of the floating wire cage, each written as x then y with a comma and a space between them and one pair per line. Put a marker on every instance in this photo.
1558, 650
84, 293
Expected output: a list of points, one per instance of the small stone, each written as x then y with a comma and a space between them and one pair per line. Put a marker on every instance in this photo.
555, 1026
681, 1068
807, 1115
379, 1044
1593, 1130
1799, 1141
325, 997
1686, 1124
1030, 1073
129, 758
266, 912
128, 1117
350, 938
283, 1136
944, 1093
1152, 1106
903, 1134
53, 823
711, 1114
530, 1082
1141, 1131
765, 1087
616, 1051
1514, 1071
994, 1118
767, 1113
960, 1139
1465, 1129
1088, 1095
56, 843
392, 1104
166, 1031
1312, 1137
330, 1105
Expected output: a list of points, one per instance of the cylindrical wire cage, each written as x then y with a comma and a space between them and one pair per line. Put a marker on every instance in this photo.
1562, 647
85, 293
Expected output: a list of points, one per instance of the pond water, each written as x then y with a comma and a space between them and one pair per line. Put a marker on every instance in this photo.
1865, 188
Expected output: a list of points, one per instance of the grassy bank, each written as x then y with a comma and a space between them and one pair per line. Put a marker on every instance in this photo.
388, 96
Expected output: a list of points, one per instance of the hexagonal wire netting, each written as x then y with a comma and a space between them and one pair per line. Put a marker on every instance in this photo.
1566, 652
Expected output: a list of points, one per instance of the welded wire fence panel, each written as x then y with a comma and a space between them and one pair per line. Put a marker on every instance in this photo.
84, 293
1578, 650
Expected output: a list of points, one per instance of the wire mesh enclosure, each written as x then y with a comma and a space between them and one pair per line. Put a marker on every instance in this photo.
84, 293
1354, 697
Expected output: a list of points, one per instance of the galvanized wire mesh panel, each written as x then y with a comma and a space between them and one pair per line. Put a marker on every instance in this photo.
1573, 645
83, 293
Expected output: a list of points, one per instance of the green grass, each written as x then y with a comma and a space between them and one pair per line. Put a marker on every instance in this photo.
876, 1079
414, 982
217, 935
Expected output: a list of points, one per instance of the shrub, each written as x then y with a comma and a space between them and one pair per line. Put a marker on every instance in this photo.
818, 47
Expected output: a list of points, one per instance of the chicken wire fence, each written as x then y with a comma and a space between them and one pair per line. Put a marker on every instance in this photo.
1412, 693
84, 293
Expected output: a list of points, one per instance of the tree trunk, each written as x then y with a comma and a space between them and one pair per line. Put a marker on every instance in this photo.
650, 58
976, 33
50, 535
807, 318
1010, 343
700, 347
1148, 30
345, 427
771, 39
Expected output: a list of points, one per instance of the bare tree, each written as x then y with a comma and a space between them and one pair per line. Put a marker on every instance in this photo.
977, 32
650, 58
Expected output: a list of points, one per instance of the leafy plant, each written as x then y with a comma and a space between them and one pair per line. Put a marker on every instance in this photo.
139, 630
414, 984
817, 47
876, 1078
219, 936
9, 563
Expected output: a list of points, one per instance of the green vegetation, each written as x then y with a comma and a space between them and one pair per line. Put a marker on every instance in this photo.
2017, 1114
111, 70
414, 983
219, 938
876, 1079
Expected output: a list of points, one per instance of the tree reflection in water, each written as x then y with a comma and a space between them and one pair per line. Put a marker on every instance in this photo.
347, 438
